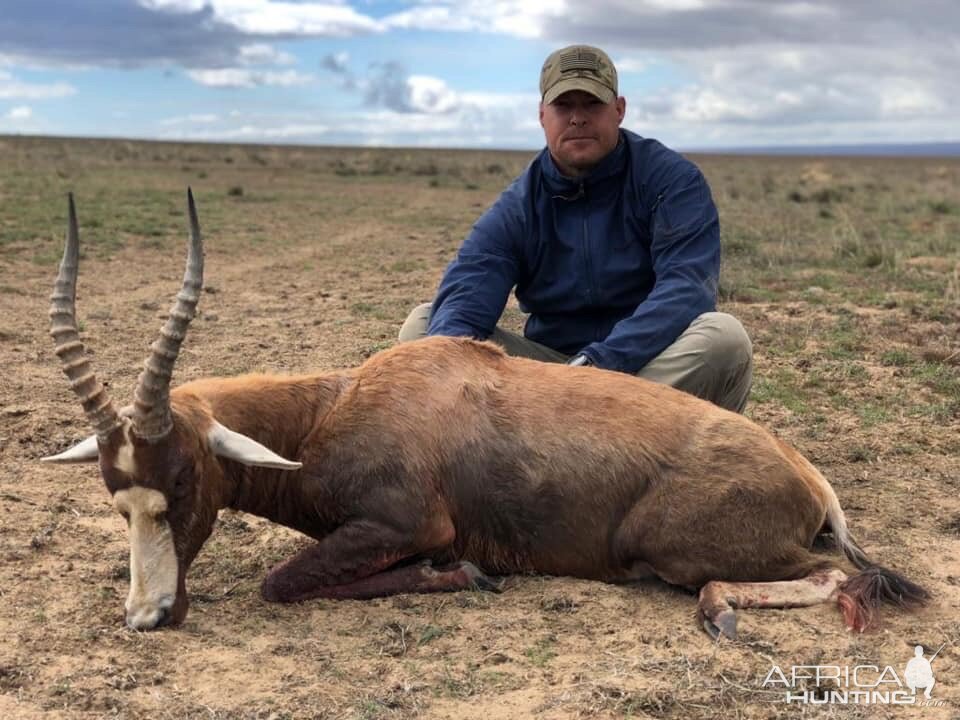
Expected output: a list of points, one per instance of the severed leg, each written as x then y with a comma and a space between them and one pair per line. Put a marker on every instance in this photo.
356, 561
719, 599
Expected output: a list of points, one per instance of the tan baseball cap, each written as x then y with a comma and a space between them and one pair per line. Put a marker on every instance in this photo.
578, 67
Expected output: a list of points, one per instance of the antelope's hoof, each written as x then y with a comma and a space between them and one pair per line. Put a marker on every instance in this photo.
723, 624
274, 589
269, 591
480, 580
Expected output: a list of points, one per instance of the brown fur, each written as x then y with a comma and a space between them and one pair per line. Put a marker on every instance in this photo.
447, 449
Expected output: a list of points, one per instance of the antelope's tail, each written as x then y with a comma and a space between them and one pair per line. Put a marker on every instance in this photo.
862, 594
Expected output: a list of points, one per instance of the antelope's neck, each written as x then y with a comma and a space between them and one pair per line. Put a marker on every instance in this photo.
280, 413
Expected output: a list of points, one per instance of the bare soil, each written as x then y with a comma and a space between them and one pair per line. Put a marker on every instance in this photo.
314, 257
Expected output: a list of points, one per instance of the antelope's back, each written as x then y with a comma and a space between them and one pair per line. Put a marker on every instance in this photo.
538, 463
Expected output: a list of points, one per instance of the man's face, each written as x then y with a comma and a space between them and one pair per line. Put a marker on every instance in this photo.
581, 130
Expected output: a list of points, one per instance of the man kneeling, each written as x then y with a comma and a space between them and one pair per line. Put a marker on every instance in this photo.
612, 242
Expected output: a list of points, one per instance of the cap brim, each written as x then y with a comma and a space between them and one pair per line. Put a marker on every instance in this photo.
597, 89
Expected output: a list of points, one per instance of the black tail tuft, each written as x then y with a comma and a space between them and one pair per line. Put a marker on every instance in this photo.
862, 594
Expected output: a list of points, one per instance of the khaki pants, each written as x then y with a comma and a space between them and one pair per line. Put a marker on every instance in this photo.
712, 359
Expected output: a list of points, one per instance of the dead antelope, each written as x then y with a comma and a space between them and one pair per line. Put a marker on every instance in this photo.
438, 458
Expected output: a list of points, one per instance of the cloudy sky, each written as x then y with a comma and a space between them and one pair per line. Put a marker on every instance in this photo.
696, 73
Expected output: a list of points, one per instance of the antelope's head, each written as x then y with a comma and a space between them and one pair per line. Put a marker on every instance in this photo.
159, 459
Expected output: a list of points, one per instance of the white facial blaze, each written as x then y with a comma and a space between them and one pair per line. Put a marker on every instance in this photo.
124, 460
153, 559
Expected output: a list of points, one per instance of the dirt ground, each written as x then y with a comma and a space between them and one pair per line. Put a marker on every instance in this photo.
844, 272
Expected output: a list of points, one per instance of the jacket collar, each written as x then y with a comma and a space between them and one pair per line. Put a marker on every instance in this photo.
610, 165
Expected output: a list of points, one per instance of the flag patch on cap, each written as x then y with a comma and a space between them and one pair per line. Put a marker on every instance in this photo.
579, 60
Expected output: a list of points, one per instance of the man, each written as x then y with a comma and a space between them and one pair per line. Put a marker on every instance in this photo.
612, 242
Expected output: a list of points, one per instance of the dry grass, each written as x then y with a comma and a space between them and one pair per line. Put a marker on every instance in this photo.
844, 271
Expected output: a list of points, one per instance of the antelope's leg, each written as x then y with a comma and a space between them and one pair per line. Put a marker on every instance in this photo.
719, 599
356, 559
417, 578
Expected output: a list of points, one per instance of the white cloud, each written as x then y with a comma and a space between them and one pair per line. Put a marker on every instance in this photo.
11, 88
803, 10
21, 112
632, 65
477, 120
519, 19
295, 132
900, 99
695, 72
796, 94
431, 95
266, 17
177, 6
245, 78
193, 119
263, 54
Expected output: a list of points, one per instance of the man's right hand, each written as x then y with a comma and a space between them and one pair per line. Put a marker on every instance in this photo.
580, 361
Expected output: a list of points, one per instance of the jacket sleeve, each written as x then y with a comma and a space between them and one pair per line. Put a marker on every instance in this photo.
685, 251
476, 285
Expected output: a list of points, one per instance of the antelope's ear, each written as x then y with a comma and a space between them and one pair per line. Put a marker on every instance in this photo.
229, 444
84, 451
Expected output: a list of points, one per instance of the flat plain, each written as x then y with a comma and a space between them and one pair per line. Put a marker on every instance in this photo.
846, 273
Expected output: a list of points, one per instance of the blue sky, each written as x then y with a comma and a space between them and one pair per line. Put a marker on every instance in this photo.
697, 74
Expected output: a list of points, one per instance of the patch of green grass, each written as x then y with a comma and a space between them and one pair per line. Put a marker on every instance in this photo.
542, 652
732, 290
463, 684
873, 414
942, 379
896, 358
781, 387
827, 195
845, 341
860, 454
851, 371
406, 266
942, 412
826, 280
370, 310
429, 633
944, 207
370, 709
374, 348
791, 339
500, 681
46, 257
740, 246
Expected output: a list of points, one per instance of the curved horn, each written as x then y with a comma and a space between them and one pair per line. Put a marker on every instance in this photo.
69, 348
152, 419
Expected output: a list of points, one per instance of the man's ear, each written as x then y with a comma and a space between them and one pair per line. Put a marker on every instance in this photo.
541, 114
621, 108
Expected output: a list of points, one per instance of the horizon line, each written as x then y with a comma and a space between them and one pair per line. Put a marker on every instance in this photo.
927, 148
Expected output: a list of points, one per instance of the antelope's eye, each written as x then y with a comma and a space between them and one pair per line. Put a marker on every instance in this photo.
181, 483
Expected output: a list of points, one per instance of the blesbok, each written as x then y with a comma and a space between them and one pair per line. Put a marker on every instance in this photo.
440, 460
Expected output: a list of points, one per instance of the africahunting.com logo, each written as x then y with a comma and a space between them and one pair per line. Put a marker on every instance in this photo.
859, 684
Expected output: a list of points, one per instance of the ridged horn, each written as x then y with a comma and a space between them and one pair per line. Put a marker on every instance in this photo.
69, 348
152, 418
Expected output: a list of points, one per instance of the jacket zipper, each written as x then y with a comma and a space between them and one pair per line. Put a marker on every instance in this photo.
587, 259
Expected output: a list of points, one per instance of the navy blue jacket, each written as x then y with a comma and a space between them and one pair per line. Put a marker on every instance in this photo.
614, 265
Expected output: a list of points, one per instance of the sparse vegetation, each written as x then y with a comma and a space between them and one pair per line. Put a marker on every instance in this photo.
843, 271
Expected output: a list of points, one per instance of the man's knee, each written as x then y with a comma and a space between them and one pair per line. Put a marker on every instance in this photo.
727, 345
712, 359
729, 356
415, 326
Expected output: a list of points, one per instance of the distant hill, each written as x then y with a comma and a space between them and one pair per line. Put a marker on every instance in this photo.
942, 149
